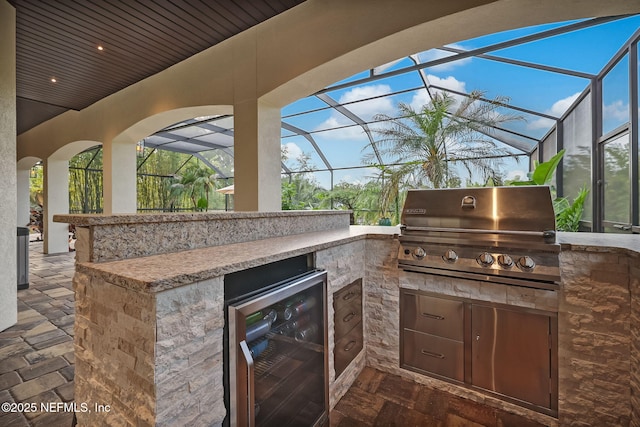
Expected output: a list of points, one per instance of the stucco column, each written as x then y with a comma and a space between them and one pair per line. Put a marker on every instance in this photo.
56, 201
23, 204
257, 161
119, 177
8, 251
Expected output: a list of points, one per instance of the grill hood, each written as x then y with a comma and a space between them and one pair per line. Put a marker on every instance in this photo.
525, 212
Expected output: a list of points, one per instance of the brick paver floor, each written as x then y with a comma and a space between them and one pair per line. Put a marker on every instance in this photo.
36, 354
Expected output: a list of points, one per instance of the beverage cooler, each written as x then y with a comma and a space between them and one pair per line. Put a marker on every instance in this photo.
278, 355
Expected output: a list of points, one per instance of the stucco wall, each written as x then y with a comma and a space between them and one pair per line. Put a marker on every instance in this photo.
8, 281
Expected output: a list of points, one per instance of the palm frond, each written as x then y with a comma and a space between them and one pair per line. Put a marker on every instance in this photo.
443, 131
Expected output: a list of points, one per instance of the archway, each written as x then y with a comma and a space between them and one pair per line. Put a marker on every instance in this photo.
56, 194
23, 179
119, 157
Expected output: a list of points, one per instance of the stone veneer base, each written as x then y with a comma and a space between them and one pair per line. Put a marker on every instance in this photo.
156, 359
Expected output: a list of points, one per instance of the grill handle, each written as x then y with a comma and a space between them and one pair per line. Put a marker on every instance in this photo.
547, 234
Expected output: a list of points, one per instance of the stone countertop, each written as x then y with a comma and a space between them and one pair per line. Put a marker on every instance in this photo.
166, 271
600, 242
87, 220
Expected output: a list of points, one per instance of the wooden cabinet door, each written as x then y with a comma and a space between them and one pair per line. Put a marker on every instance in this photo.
511, 354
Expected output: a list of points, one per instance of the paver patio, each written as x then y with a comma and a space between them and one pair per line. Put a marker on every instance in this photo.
36, 354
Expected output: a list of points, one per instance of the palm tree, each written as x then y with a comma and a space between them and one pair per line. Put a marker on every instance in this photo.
196, 182
428, 141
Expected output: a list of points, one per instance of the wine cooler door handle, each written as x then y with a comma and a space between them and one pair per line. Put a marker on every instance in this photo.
250, 396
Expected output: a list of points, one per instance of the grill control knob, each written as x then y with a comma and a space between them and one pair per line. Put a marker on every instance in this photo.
419, 253
525, 263
485, 259
450, 256
505, 261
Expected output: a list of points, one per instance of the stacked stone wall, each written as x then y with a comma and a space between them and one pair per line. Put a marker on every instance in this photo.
155, 360
634, 287
115, 238
382, 307
189, 368
594, 340
114, 338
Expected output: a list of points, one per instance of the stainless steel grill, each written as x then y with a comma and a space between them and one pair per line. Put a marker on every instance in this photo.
500, 234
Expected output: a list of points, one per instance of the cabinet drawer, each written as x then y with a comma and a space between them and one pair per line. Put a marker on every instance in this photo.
348, 294
347, 318
433, 354
347, 348
435, 316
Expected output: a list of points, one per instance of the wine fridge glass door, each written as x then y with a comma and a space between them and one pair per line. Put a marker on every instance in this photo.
278, 355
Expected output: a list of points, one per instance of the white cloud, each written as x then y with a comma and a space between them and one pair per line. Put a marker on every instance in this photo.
560, 107
557, 109
293, 151
363, 109
435, 54
447, 82
617, 111
422, 97
541, 123
367, 109
351, 133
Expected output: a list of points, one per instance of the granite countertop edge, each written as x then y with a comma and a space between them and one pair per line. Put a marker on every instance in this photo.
88, 220
161, 272
628, 244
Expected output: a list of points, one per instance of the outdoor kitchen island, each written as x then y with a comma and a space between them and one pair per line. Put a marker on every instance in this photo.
149, 312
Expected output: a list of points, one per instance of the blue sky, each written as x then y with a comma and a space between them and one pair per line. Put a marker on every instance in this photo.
587, 50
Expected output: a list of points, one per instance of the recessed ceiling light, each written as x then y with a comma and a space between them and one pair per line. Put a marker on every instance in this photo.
53, 80
100, 47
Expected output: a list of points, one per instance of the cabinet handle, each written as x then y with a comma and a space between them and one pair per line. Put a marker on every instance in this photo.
348, 317
433, 316
348, 296
349, 345
432, 354
250, 370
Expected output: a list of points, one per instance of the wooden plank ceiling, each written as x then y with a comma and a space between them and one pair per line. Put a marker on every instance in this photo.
61, 39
